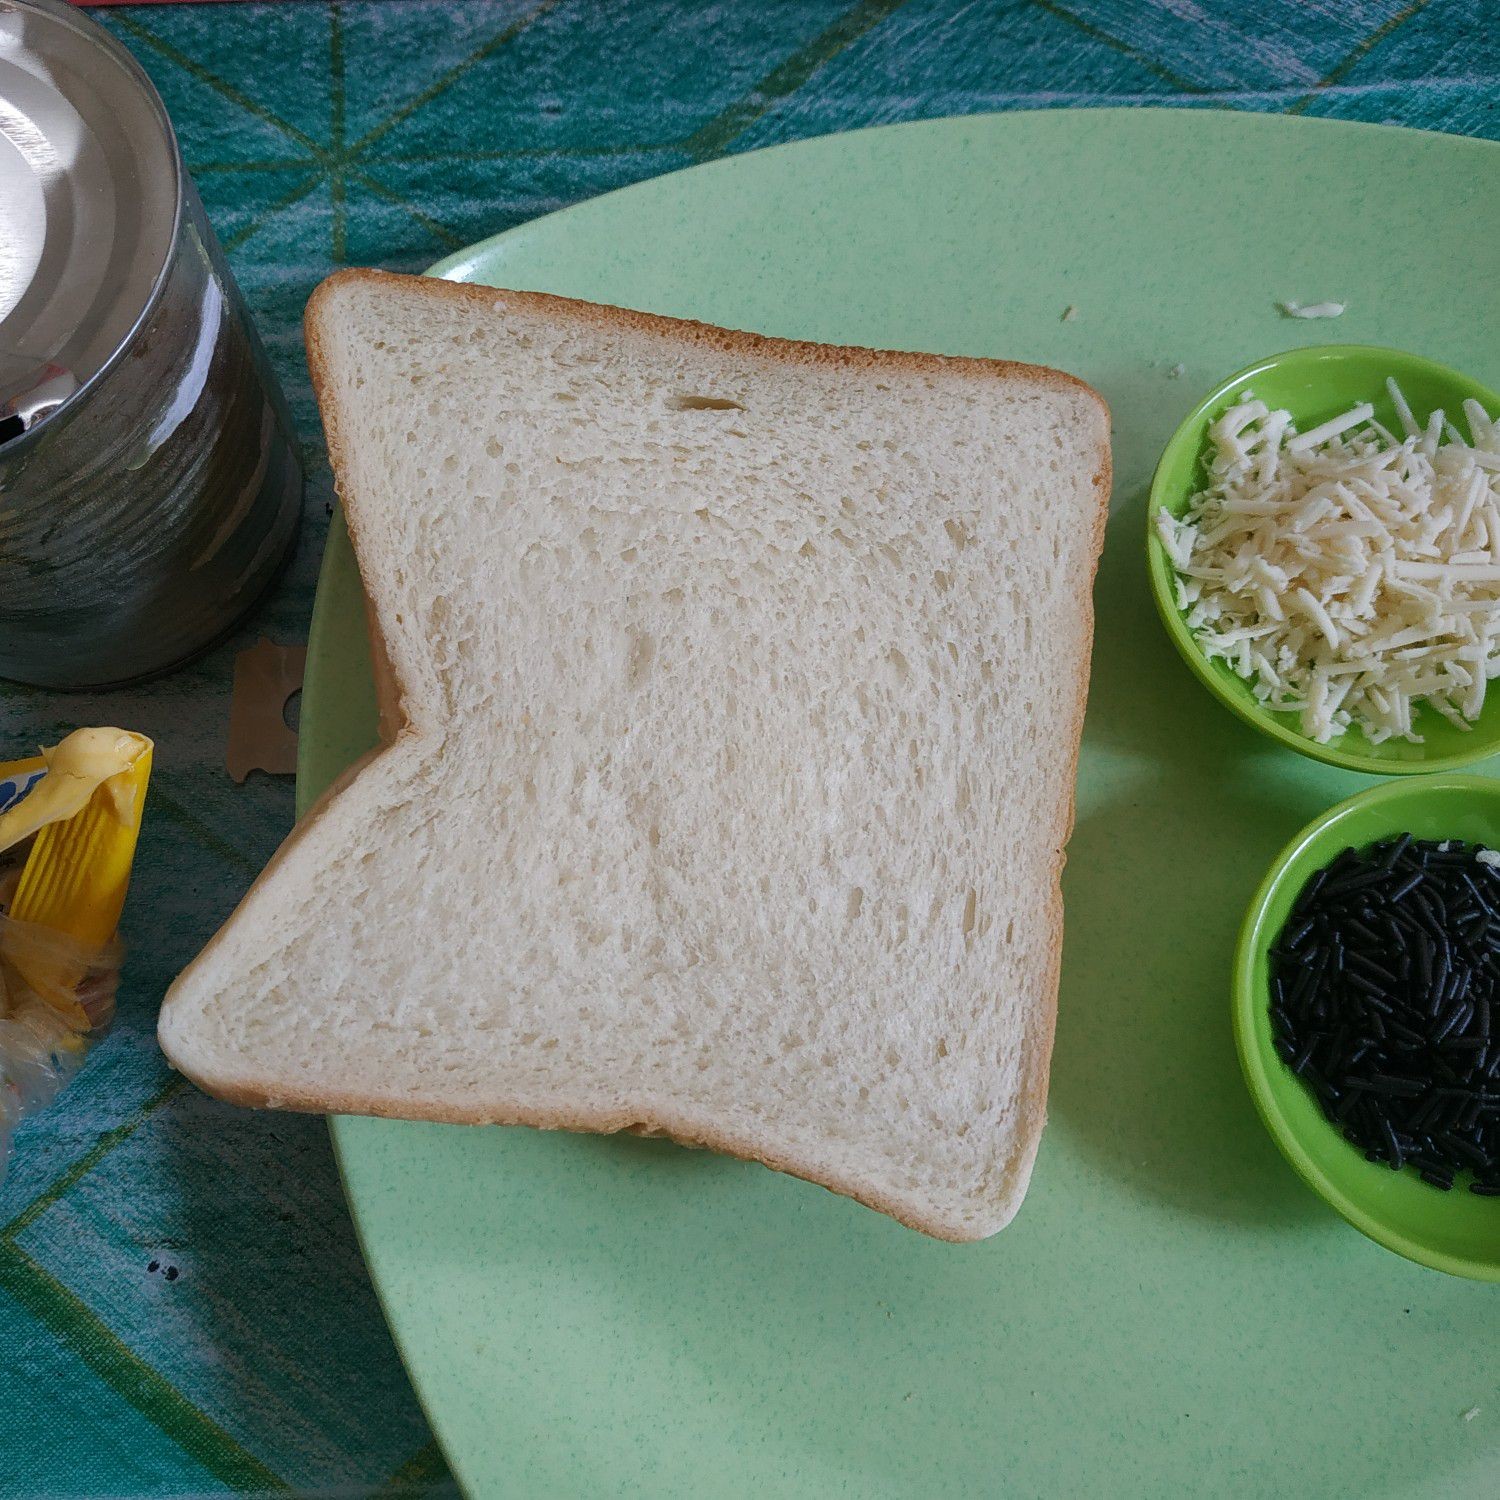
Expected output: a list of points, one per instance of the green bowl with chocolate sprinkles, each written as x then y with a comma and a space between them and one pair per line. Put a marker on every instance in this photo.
1367, 1016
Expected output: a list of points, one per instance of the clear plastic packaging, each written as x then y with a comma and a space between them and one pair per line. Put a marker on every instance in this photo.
39, 1053
68, 827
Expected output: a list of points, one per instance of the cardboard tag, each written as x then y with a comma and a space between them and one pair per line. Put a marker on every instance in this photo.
265, 677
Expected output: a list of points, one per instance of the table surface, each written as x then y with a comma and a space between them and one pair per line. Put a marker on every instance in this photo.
183, 1309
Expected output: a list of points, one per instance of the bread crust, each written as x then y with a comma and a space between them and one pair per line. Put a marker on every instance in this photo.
681, 330
1043, 1032
397, 727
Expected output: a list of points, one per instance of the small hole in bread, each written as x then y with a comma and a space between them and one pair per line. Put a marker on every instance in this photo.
703, 403
641, 653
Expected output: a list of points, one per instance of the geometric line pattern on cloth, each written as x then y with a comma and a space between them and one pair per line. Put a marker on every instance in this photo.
1357, 54
201, 832
73, 1324
714, 138
417, 1476
89, 1160
337, 163
76, 1326
343, 163
1125, 49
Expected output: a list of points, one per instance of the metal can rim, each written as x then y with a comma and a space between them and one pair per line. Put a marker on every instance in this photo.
95, 35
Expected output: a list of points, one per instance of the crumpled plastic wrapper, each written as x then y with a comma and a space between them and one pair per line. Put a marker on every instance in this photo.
65, 860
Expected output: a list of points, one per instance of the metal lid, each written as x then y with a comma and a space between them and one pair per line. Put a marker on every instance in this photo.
89, 181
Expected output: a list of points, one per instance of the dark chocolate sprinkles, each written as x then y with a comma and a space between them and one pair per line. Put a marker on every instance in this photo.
1385, 995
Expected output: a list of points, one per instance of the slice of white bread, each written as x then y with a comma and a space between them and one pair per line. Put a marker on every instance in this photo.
732, 693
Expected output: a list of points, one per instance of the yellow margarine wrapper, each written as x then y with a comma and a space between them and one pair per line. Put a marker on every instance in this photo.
85, 813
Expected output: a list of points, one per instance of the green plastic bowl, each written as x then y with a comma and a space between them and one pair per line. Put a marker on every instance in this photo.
1316, 384
1457, 1231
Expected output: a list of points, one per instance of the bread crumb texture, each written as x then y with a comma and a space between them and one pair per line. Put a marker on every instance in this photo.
742, 691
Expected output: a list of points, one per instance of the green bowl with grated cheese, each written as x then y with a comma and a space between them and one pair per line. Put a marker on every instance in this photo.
1435, 589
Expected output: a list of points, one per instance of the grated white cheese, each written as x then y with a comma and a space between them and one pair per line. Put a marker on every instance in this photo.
1351, 575
1313, 309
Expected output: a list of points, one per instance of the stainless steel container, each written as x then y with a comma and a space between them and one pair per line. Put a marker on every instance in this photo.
150, 487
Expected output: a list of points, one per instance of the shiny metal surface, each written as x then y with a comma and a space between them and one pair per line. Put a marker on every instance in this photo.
88, 196
150, 488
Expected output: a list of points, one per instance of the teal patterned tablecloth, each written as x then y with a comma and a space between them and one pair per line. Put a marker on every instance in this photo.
183, 1309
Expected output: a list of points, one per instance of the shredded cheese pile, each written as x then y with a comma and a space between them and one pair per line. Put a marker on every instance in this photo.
1349, 574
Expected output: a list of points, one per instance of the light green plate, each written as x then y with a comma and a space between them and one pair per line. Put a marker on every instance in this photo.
1172, 1312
